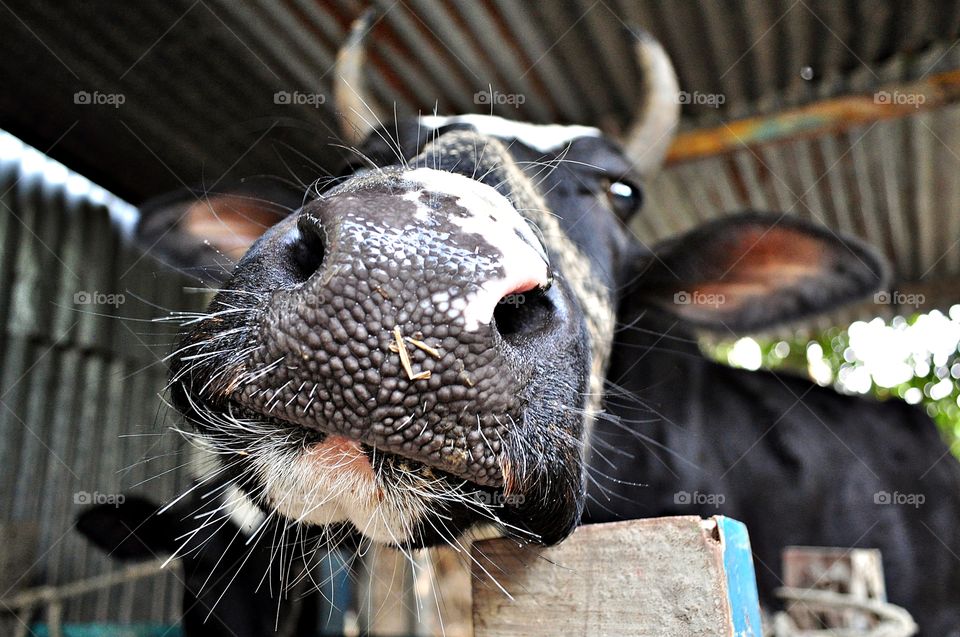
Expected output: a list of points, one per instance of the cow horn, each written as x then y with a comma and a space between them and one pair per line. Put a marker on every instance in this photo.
650, 134
356, 109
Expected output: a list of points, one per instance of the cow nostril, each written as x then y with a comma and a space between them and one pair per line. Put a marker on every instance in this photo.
520, 313
308, 249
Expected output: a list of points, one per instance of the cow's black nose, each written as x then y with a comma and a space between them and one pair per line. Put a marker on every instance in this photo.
443, 259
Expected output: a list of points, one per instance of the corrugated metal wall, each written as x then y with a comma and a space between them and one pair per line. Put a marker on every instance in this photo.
79, 410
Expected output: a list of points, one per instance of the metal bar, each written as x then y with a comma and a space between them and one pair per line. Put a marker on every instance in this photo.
820, 118
48, 594
925, 192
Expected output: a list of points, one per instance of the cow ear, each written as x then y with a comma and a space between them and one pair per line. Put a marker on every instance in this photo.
204, 233
752, 271
129, 530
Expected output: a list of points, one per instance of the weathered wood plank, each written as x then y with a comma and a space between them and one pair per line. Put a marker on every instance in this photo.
659, 577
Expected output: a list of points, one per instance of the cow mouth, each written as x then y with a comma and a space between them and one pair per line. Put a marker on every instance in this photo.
359, 456
242, 429
316, 478
232, 427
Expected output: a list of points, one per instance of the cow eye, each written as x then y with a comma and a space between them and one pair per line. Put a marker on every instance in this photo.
624, 197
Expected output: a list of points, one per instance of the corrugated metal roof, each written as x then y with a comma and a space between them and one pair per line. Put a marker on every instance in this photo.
198, 79
199, 82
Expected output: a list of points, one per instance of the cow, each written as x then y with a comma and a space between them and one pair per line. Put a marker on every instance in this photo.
459, 330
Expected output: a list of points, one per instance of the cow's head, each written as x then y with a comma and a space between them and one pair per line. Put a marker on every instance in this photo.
421, 346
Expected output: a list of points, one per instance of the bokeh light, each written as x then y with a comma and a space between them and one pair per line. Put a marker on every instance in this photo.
915, 359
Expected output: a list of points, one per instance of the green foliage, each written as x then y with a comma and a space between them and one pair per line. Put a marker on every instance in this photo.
829, 359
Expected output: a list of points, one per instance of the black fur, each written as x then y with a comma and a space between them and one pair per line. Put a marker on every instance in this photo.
798, 463
229, 589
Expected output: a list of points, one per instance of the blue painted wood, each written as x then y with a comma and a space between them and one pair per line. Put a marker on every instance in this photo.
741, 578
335, 592
110, 630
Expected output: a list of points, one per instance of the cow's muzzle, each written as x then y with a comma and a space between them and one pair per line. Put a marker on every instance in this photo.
408, 319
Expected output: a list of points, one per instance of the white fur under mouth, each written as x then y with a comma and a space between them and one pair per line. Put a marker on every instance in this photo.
332, 482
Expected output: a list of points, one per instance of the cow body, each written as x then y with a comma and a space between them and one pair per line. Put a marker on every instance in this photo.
798, 463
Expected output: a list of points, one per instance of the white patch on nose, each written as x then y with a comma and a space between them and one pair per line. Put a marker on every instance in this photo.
542, 137
423, 213
497, 222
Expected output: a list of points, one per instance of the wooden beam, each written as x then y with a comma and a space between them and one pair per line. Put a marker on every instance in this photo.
666, 577
819, 118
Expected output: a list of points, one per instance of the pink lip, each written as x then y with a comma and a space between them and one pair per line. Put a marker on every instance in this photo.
342, 455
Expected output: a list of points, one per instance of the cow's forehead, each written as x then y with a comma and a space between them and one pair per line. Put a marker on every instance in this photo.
542, 137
